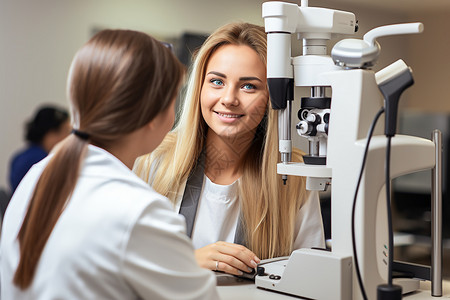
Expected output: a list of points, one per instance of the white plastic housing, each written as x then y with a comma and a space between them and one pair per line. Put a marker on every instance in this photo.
391, 71
279, 55
308, 70
289, 17
408, 28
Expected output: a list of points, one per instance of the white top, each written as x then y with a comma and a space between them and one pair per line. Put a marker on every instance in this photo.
116, 239
218, 211
217, 214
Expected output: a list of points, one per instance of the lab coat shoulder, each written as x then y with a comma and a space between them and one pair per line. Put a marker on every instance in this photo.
129, 238
168, 271
158, 259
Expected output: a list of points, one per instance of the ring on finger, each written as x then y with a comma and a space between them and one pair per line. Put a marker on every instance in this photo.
217, 265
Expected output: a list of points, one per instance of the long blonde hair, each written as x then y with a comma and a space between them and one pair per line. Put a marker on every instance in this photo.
119, 81
268, 207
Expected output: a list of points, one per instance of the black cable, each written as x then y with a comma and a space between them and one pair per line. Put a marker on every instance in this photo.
389, 211
355, 256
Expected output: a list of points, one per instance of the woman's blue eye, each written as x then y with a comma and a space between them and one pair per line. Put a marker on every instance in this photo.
248, 86
216, 81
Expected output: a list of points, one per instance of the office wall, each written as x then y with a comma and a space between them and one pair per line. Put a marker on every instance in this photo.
430, 53
39, 38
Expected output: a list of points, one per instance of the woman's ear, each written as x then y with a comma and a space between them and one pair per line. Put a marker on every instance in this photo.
150, 125
153, 124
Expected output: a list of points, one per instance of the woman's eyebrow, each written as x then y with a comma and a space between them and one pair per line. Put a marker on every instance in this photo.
217, 74
249, 78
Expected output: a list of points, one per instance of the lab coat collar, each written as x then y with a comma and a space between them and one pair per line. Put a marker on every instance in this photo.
101, 163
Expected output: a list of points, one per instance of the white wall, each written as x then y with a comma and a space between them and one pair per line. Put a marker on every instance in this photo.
39, 38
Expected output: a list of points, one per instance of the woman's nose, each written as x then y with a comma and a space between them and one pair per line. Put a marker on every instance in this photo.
229, 98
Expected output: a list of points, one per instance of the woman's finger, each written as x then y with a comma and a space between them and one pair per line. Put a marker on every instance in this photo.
239, 252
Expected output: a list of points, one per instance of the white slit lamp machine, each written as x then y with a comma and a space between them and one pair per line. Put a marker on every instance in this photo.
337, 127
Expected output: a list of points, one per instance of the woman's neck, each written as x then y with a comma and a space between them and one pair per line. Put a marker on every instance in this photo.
130, 146
224, 157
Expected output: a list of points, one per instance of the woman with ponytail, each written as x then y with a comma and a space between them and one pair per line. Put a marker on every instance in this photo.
81, 225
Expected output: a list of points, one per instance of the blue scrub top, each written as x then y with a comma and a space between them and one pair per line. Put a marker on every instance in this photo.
22, 162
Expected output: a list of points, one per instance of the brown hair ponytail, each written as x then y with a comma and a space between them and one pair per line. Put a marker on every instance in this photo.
48, 201
118, 82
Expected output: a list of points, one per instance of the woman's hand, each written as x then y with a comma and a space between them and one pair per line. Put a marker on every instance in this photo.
227, 257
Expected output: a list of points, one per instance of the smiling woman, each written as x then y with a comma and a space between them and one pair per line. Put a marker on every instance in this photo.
218, 165
233, 102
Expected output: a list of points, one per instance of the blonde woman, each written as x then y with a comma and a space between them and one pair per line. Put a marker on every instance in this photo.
81, 224
218, 165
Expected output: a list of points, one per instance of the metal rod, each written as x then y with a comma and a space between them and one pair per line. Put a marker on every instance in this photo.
284, 132
314, 148
317, 91
436, 218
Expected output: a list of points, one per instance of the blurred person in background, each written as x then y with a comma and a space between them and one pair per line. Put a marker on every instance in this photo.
49, 126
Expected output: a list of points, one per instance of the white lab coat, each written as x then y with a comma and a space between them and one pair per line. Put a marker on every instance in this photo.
116, 239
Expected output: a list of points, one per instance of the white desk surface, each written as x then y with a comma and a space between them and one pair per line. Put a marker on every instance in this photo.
233, 288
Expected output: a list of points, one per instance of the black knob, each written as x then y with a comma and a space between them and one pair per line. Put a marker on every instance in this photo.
260, 271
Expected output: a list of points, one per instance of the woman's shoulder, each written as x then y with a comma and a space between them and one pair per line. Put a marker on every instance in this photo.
130, 186
120, 199
28, 156
149, 209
